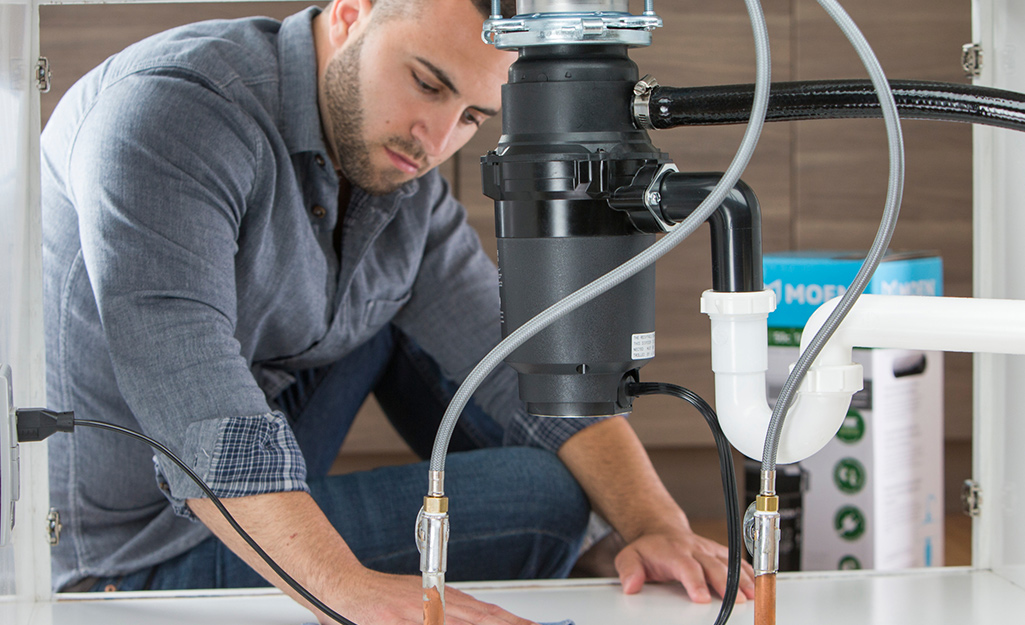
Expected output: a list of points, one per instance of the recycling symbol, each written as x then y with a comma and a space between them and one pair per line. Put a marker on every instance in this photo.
849, 523
849, 475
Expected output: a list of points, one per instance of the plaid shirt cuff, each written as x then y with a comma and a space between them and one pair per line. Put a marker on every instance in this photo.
251, 455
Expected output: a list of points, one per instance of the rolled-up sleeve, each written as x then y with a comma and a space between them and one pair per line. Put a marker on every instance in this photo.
160, 198
455, 314
251, 456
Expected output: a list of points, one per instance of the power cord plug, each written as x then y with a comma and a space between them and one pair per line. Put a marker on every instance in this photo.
37, 424
20, 426
27, 425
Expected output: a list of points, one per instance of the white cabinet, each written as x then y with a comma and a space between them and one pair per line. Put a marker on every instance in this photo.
999, 206
24, 565
999, 565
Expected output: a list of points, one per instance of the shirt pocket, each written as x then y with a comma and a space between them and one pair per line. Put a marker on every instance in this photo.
378, 312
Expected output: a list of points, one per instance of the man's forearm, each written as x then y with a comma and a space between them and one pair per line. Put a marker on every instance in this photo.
291, 528
614, 470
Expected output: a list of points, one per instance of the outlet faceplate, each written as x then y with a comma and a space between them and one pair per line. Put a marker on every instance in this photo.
9, 463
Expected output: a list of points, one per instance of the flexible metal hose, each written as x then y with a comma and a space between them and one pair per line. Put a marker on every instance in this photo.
837, 99
586, 293
891, 210
765, 584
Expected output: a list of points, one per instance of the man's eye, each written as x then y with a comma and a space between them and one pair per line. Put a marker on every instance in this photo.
470, 118
424, 86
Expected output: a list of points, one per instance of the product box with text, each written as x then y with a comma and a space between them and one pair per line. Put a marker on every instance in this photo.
874, 497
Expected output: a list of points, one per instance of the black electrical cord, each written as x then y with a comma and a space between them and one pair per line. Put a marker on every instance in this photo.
729, 483
670, 107
296, 586
37, 424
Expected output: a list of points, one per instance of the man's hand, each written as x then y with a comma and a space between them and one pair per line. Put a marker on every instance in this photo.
681, 556
404, 603
614, 470
294, 531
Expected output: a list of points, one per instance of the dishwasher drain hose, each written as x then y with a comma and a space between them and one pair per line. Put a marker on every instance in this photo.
670, 107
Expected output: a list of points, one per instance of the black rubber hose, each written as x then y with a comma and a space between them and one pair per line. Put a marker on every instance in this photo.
837, 99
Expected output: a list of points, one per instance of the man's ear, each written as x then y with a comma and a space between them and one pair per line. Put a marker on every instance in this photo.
345, 16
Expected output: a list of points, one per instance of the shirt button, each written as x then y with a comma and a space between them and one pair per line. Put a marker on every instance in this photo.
319, 160
319, 211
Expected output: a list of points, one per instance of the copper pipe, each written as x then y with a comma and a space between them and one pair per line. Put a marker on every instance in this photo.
434, 607
765, 599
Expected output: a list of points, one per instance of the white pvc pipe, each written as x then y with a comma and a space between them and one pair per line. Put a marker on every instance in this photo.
740, 357
947, 324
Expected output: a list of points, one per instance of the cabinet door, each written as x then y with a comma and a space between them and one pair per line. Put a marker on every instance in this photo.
21, 342
999, 273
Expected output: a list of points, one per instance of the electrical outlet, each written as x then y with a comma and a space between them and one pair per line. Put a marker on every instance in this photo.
9, 462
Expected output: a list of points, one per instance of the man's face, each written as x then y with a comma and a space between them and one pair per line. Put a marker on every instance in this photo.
403, 94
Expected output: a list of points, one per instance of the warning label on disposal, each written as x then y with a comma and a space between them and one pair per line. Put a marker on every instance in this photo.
643, 346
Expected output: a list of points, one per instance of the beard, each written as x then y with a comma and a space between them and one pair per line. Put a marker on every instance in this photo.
345, 110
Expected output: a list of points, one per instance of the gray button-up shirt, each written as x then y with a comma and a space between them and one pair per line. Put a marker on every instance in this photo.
188, 208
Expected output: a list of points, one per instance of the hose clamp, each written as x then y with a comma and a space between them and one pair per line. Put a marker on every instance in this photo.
546, 29
642, 102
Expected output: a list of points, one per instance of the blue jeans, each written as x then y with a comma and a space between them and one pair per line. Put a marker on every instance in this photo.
516, 512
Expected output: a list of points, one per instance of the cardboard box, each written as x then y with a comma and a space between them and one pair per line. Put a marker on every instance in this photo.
874, 495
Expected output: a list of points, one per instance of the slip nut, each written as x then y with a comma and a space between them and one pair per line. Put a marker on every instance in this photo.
436, 505
767, 503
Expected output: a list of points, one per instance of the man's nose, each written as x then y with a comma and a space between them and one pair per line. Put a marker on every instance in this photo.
435, 132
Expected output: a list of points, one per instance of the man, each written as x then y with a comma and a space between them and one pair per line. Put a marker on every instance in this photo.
244, 237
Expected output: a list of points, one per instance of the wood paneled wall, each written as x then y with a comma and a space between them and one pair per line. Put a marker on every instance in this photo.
821, 184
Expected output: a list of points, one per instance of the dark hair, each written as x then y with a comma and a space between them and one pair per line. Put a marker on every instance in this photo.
387, 9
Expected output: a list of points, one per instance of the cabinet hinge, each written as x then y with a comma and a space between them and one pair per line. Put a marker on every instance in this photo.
971, 498
971, 59
53, 527
43, 75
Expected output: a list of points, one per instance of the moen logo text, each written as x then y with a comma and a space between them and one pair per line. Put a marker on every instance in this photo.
813, 294
913, 287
